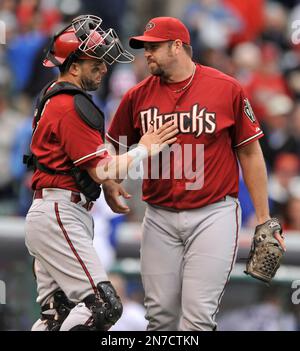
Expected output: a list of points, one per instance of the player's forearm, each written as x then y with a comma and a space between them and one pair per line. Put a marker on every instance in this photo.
118, 180
118, 166
116, 169
152, 142
255, 177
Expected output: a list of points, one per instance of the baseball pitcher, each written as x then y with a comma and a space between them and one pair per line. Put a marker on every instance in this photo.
193, 216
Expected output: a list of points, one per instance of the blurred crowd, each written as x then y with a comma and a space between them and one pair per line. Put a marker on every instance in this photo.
269, 310
257, 42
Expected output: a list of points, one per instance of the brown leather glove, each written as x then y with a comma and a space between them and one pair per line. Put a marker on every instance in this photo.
265, 253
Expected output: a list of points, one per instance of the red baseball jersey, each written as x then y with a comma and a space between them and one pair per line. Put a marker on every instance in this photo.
214, 117
62, 139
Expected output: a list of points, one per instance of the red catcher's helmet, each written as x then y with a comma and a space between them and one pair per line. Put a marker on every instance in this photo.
84, 38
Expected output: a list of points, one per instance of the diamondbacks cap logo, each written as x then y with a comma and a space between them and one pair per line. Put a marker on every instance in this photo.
149, 26
248, 111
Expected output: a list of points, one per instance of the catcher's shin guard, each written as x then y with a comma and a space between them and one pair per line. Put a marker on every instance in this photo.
55, 312
104, 311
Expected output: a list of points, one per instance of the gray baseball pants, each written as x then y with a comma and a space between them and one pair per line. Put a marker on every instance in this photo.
59, 234
186, 261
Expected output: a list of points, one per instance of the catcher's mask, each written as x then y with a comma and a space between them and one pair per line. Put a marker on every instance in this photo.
85, 39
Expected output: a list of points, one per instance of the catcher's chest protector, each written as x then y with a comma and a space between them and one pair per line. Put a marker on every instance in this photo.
90, 114
83, 103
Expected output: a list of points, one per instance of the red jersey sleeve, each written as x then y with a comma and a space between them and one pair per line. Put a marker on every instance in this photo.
246, 127
122, 132
83, 145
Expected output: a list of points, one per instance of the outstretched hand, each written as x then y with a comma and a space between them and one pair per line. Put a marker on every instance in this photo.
112, 193
156, 140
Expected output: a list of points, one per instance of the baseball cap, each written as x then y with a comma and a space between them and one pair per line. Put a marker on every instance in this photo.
160, 29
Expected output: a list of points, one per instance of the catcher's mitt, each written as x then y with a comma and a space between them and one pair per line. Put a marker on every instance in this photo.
265, 253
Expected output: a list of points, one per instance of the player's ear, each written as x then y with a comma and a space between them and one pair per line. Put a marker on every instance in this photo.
75, 69
178, 45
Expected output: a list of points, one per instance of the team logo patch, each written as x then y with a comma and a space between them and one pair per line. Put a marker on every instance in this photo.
248, 111
149, 26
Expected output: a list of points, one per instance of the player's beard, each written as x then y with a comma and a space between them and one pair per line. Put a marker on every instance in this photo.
89, 84
158, 71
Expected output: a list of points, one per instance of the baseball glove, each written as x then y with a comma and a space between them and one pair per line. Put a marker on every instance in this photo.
265, 253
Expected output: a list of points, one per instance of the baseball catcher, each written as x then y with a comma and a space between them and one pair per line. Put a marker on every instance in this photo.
266, 251
70, 163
